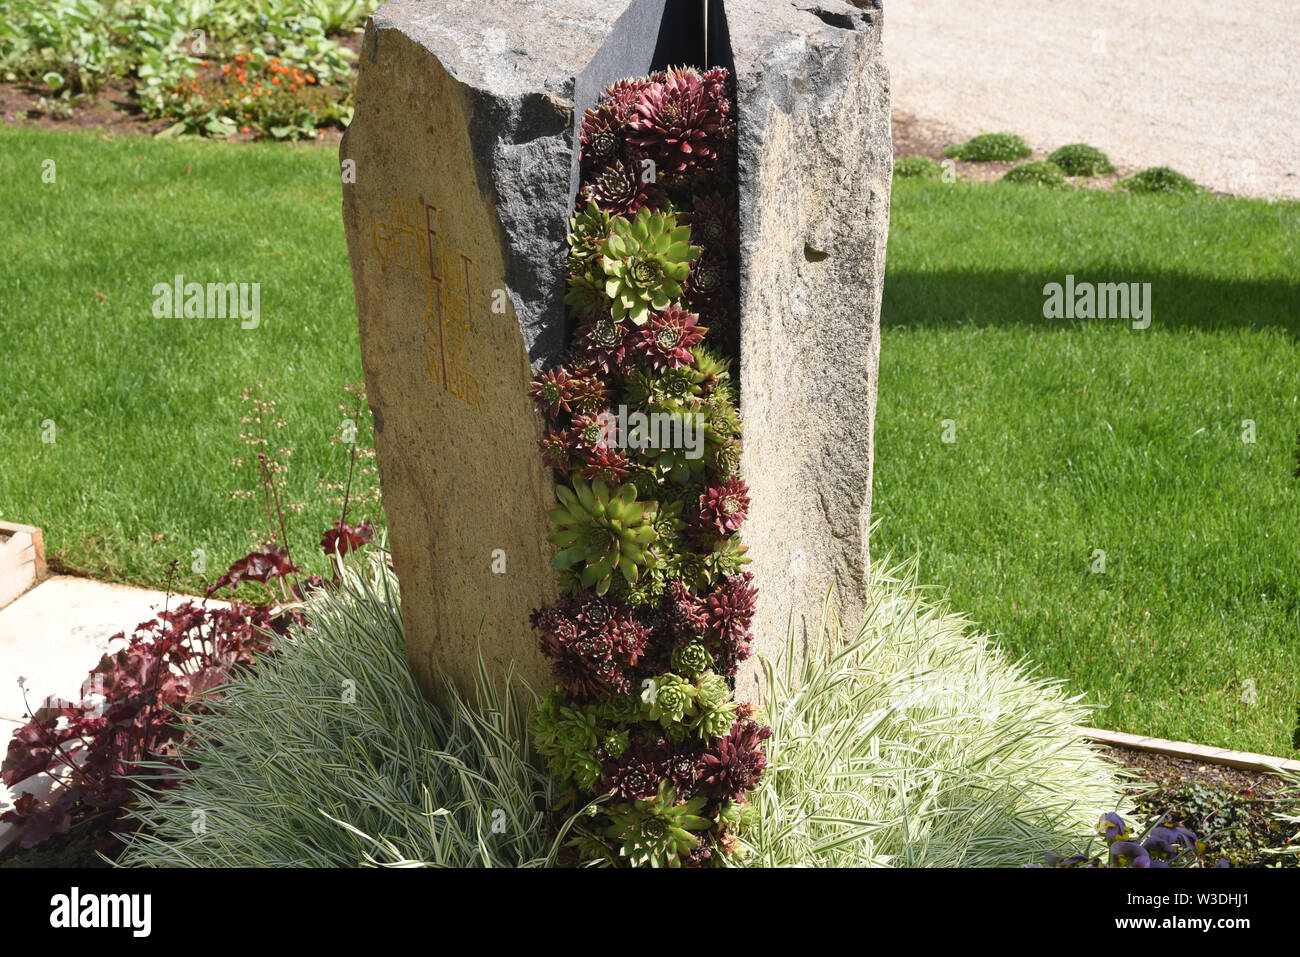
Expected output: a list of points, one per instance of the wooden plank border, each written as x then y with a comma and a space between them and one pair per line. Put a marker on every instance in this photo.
1244, 760
22, 560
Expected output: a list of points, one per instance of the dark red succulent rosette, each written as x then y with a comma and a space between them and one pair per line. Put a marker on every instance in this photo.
693, 607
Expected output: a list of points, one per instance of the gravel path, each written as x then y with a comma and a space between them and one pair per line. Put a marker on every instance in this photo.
1209, 88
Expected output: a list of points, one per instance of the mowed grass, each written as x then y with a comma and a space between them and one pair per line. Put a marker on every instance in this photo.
1079, 437
1070, 436
146, 411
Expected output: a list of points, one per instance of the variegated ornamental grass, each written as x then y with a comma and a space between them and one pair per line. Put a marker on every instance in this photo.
914, 743
328, 756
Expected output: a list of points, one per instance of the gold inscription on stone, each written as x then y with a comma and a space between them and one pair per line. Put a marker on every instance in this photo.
453, 298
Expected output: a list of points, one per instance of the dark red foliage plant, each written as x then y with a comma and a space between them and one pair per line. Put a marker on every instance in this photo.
135, 708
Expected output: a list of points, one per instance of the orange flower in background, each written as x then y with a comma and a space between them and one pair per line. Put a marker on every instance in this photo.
311, 79
244, 129
275, 80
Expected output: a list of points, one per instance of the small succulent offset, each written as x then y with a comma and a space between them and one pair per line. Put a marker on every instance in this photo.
645, 261
566, 736
601, 530
658, 832
669, 699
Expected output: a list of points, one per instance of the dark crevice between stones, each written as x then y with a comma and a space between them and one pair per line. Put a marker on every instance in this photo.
650, 35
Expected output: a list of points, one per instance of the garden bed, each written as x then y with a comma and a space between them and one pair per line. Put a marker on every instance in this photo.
1232, 809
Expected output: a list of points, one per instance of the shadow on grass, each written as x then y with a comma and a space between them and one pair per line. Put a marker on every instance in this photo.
1004, 298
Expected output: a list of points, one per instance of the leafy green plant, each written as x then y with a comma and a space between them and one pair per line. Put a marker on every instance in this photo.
915, 743
917, 167
348, 761
1160, 179
1080, 159
171, 53
1245, 827
1038, 173
989, 148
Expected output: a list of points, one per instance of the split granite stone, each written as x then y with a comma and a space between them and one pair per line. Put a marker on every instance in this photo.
464, 162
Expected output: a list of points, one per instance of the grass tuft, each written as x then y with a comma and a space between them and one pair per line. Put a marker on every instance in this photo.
328, 756
1160, 179
917, 167
989, 148
1039, 173
1080, 159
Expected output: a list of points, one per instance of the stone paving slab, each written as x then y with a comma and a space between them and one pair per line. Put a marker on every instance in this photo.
54, 634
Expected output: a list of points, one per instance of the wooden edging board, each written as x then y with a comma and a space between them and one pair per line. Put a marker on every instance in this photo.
1245, 760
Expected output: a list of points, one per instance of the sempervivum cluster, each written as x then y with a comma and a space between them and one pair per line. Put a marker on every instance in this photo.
593, 643
644, 440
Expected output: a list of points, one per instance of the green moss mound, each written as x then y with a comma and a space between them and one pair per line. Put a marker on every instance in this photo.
918, 167
1039, 173
1080, 159
1160, 179
989, 148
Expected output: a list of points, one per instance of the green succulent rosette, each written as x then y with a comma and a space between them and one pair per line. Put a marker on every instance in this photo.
645, 261
600, 531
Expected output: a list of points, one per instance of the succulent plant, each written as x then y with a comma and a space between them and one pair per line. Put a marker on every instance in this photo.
669, 698
678, 122
727, 559
714, 224
586, 296
658, 832
665, 341
563, 390
645, 261
603, 132
621, 708
733, 764
712, 692
602, 341
713, 723
555, 450
724, 507
655, 615
619, 187
606, 465
566, 736
588, 228
601, 531
710, 279
692, 659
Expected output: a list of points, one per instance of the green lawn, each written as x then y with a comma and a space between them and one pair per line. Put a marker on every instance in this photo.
1077, 436
1070, 436
146, 411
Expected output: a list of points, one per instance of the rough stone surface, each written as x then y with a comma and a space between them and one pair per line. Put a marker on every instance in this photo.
815, 164
465, 171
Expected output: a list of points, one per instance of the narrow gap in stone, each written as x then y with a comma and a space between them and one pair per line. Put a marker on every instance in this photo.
681, 35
